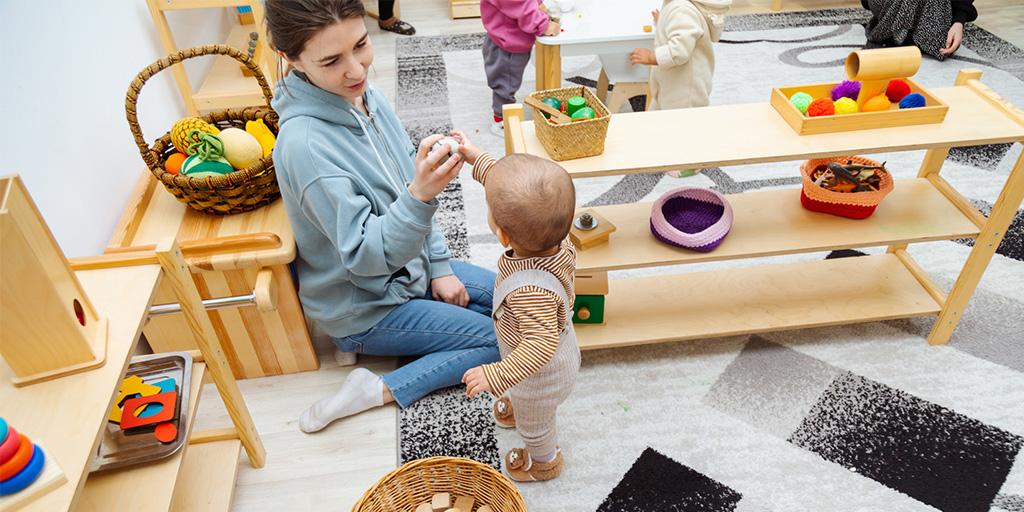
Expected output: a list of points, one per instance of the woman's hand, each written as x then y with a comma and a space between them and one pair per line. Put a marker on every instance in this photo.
476, 382
470, 152
433, 170
953, 39
450, 290
643, 56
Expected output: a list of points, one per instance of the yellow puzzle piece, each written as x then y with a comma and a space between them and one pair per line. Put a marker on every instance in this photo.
131, 386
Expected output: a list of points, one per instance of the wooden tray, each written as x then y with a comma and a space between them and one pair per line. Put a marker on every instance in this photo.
934, 110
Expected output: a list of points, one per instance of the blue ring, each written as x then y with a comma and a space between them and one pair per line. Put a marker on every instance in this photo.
26, 476
3, 430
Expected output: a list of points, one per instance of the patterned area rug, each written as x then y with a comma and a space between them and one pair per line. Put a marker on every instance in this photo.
855, 418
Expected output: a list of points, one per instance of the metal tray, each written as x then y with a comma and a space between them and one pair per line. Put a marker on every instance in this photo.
117, 449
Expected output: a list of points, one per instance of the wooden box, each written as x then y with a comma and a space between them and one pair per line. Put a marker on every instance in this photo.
934, 110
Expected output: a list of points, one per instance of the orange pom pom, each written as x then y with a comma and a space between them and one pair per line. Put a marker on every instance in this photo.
821, 107
879, 103
173, 163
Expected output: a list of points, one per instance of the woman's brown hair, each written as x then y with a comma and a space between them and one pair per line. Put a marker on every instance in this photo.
292, 23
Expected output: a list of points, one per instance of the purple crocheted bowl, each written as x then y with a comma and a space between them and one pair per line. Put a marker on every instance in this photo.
691, 218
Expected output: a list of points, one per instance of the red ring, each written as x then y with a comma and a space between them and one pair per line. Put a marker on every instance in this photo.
10, 445
19, 461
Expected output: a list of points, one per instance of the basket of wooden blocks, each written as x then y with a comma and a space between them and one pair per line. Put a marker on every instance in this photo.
442, 484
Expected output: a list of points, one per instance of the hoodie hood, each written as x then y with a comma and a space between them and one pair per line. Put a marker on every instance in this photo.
714, 12
296, 97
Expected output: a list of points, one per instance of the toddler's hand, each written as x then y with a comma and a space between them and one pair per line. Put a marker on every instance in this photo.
654, 14
643, 56
476, 382
553, 29
469, 151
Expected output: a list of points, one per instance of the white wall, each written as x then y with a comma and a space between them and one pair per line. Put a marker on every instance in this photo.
64, 71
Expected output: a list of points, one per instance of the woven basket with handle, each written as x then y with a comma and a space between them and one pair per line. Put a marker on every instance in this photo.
578, 139
416, 482
236, 192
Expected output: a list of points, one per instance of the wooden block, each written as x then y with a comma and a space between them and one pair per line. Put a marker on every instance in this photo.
584, 238
588, 309
464, 503
592, 284
51, 478
441, 501
425, 507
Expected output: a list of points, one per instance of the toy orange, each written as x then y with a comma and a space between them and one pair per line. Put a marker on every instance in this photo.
173, 163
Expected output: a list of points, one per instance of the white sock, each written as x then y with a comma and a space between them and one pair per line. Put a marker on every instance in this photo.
545, 458
362, 390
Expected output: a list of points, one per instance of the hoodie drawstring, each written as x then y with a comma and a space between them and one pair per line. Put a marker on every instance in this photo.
391, 178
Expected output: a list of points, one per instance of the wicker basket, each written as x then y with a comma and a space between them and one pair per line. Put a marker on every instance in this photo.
415, 482
580, 138
853, 205
236, 192
692, 218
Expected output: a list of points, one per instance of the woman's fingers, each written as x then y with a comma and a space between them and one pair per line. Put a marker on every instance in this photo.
426, 144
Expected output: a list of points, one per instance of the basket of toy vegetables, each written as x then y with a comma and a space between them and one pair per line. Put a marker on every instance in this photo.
219, 163
582, 137
847, 186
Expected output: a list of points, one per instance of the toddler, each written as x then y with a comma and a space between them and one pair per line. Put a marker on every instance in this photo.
683, 57
531, 202
512, 27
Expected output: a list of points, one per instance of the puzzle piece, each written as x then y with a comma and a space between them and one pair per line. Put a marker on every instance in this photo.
133, 407
165, 385
130, 387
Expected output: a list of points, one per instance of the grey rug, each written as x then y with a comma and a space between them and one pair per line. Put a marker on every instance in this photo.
856, 418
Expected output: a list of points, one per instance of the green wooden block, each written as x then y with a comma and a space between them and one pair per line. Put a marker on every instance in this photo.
594, 305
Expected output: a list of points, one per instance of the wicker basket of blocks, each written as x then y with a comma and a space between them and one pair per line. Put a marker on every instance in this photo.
417, 482
853, 205
581, 138
239, 191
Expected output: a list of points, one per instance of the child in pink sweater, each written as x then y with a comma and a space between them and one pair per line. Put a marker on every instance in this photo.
512, 27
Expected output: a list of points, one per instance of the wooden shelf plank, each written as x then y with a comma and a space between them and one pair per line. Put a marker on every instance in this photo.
225, 86
772, 222
755, 133
122, 295
757, 299
148, 486
207, 479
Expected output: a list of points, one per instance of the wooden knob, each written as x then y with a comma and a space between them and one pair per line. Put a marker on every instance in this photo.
265, 290
583, 313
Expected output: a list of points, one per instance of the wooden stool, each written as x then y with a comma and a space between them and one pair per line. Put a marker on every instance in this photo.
630, 80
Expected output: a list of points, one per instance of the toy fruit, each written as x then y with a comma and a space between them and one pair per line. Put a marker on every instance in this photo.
183, 127
263, 134
553, 103
173, 163
583, 113
207, 157
575, 103
241, 149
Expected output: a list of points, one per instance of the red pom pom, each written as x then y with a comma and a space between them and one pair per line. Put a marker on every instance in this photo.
821, 107
896, 90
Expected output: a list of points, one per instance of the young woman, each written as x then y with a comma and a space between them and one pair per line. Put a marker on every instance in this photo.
373, 266
934, 26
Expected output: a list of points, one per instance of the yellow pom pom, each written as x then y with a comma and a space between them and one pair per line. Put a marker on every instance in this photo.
879, 103
181, 129
240, 148
846, 106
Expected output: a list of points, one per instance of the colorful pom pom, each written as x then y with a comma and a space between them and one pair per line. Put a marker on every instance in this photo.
879, 103
846, 106
913, 100
897, 90
821, 107
846, 89
801, 100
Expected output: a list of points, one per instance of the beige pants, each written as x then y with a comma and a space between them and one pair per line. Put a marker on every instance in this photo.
536, 398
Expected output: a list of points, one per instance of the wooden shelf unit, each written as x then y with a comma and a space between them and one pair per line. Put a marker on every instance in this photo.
123, 290
224, 86
772, 222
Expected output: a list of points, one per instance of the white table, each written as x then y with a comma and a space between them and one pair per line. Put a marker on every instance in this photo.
594, 27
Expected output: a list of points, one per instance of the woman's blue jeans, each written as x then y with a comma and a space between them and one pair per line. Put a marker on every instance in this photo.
451, 339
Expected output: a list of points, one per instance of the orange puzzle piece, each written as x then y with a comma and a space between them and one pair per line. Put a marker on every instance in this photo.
135, 406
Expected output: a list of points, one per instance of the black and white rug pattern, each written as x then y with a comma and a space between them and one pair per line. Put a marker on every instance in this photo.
861, 418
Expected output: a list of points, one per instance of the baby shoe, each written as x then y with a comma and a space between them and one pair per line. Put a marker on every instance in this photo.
504, 416
522, 468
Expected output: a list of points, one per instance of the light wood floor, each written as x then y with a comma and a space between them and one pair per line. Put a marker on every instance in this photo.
330, 470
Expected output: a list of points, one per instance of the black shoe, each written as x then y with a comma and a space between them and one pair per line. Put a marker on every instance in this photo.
399, 27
